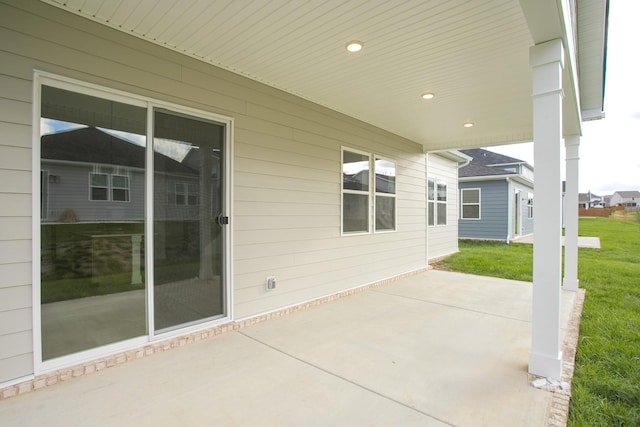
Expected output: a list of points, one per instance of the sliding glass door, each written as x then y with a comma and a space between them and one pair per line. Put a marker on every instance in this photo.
188, 244
92, 226
132, 240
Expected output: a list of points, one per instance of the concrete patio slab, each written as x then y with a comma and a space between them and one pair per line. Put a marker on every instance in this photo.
435, 349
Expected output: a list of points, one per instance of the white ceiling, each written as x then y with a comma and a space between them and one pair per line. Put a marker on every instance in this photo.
474, 55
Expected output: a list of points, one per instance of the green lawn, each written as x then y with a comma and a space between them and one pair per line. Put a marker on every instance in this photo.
606, 383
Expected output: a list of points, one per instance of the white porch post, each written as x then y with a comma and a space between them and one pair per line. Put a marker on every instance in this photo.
547, 61
572, 144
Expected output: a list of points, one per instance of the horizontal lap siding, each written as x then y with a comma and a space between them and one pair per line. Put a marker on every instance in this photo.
287, 208
494, 211
443, 239
286, 182
16, 346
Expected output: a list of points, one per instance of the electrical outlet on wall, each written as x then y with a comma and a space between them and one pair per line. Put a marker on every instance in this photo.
271, 282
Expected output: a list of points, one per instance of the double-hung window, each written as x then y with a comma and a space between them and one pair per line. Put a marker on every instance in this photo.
385, 201
104, 186
436, 201
120, 188
365, 203
355, 191
99, 185
470, 200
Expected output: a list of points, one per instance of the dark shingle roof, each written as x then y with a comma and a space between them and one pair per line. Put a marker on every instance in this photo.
486, 157
481, 162
92, 145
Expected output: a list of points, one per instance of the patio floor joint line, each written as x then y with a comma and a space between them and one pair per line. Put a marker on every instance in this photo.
344, 379
452, 306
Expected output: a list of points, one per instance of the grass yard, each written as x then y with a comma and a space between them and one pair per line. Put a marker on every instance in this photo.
606, 383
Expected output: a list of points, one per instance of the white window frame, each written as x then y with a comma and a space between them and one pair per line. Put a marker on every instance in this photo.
107, 187
377, 194
463, 204
344, 191
432, 218
371, 194
442, 202
113, 187
42, 78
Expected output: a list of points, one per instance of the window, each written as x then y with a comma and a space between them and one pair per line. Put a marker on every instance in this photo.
385, 213
120, 188
357, 193
442, 203
104, 186
99, 186
436, 201
530, 205
470, 203
186, 194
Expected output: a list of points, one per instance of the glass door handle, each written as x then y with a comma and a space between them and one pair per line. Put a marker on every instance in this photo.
223, 220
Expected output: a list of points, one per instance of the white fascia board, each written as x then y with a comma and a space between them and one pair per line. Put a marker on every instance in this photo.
454, 155
517, 178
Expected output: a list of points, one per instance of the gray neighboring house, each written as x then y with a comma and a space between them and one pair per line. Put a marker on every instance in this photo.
589, 200
496, 197
626, 198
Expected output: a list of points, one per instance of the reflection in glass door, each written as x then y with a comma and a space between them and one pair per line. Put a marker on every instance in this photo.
92, 182
188, 238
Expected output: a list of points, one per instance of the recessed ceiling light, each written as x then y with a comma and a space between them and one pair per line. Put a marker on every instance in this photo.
468, 124
354, 46
428, 95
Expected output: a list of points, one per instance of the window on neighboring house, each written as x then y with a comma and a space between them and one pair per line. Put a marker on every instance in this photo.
470, 198
99, 186
355, 192
441, 217
385, 212
530, 205
120, 188
186, 194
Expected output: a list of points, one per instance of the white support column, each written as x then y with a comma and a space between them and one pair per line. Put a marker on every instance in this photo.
547, 61
570, 281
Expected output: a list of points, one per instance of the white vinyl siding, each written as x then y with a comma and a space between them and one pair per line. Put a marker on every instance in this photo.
16, 346
443, 240
286, 169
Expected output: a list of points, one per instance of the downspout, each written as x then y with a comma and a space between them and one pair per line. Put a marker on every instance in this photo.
509, 211
426, 208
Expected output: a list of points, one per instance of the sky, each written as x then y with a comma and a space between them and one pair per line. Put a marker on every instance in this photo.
610, 148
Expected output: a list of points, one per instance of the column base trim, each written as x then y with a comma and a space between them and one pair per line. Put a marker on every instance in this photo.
545, 366
570, 285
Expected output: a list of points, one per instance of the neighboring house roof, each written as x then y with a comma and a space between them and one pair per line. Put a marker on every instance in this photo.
583, 198
628, 194
93, 145
485, 163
